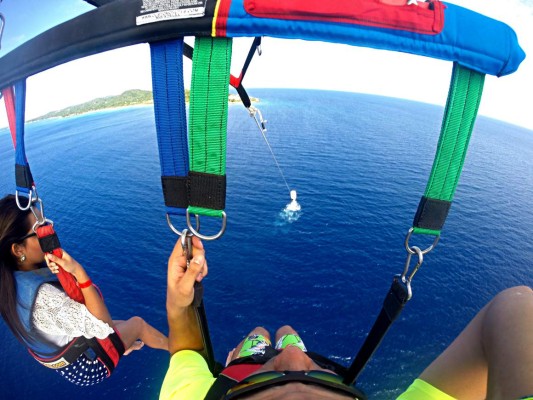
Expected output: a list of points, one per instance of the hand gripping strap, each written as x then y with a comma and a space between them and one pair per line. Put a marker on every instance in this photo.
50, 244
208, 116
171, 122
464, 96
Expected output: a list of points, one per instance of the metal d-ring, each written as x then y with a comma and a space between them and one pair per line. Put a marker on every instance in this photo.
30, 200
204, 237
178, 232
425, 251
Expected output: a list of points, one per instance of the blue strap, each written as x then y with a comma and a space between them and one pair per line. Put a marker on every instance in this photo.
171, 121
23, 177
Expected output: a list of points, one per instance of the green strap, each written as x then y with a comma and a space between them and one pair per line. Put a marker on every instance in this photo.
464, 96
208, 116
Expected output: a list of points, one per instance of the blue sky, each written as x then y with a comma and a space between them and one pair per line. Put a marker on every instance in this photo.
508, 98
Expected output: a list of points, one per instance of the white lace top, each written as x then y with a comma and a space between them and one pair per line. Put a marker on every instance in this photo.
60, 319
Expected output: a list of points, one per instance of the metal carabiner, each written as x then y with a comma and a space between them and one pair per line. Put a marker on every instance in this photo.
413, 250
186, 244
425, 251
38, 211
261, 123
204, 237
406, 280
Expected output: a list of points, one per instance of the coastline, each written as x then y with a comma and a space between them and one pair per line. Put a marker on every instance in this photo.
129, 98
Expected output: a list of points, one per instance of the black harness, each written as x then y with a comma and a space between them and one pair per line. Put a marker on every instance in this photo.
224, 382
93, 349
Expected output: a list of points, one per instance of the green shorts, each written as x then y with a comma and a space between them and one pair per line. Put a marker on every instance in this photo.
257, 344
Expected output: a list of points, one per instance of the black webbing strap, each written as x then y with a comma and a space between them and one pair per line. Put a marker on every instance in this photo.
234, 81
237, 82
393, 305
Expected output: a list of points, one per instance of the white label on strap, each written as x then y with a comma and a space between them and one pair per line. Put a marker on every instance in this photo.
165, 10
55, 364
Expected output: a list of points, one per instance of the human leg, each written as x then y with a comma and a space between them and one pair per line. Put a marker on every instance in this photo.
287, 336
137, 328
493, 356
259, 336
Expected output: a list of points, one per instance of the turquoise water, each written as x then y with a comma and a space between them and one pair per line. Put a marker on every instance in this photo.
359, 163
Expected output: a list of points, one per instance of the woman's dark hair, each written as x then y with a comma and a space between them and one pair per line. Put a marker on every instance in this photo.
14, 224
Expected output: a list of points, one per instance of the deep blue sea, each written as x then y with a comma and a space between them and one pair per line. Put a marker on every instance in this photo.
359, 163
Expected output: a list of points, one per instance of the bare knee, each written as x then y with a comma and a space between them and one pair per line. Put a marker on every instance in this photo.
514, 295
508, 308
285, 330
138, 322
259, 330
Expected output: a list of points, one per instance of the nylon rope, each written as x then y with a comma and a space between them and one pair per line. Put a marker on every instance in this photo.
275, 160
208, 110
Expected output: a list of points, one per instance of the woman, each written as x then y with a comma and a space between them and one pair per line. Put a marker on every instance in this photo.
44, 318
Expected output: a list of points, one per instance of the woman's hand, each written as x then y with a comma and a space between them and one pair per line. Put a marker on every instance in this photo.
68, 263
180, 285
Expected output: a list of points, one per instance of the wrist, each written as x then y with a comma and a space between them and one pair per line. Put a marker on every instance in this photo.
176, 312
85, 284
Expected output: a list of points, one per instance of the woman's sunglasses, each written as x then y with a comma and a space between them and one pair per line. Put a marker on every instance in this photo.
23, 238
269, 379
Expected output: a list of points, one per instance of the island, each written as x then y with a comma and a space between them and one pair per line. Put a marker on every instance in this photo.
128, 98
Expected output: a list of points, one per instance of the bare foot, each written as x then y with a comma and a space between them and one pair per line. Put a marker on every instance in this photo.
137, 345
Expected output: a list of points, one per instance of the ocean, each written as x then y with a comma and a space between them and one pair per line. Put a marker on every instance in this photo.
359, 164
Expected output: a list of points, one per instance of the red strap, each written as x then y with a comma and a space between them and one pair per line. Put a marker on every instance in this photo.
240, 371
110, 350
67, 280
9, 100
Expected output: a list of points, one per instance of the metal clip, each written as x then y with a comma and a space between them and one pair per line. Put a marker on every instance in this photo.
261, 123
407, 279
186, 244
415, 250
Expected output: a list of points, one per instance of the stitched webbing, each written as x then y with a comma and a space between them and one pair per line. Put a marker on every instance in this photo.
208, 115
464, 96
171, 121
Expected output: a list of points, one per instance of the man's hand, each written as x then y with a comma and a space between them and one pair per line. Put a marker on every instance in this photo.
181, 279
